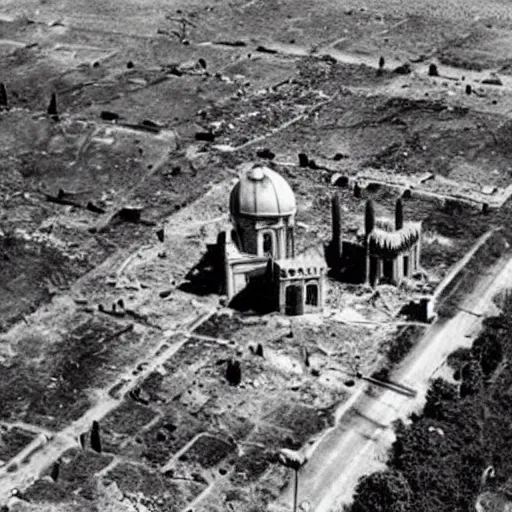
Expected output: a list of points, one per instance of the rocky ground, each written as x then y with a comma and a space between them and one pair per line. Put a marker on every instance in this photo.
157, 105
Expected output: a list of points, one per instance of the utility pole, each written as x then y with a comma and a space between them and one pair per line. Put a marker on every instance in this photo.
294, 460
296, 490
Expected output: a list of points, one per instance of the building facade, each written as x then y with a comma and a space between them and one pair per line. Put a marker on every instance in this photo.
260, 253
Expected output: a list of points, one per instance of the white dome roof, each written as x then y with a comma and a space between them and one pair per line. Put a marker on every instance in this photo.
262, 192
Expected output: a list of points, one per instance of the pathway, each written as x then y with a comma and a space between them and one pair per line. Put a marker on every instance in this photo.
357, 444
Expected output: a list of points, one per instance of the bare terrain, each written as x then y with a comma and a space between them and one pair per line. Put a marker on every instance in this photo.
158, 103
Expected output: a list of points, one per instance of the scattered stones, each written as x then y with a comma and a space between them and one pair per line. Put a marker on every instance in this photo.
264, 49
162, 435
205, 136
94, 208
232, 43
265, 153
109, 116
492, 80
338, 180
283, 322
404, 69
313, 165
130, 213
148, 123
140, 396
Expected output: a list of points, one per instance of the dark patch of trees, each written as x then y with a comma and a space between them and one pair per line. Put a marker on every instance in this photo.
437, 460
386, 491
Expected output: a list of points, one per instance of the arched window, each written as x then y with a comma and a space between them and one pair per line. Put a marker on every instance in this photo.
312, 294
267, 243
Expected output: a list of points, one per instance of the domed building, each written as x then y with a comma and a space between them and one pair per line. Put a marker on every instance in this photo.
262, 207
259, 256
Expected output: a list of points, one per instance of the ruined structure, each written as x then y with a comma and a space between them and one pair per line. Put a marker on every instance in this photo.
389, 249
393, 249
259, 256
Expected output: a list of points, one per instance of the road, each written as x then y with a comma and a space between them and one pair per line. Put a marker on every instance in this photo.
358, 444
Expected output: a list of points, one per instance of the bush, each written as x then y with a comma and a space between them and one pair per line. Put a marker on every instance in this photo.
488, 350
439, 393
386, 491
472, 379
442, 453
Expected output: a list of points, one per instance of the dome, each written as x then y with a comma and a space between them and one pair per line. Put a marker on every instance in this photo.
262, 192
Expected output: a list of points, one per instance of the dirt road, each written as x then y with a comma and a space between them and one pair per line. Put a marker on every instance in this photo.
357, 445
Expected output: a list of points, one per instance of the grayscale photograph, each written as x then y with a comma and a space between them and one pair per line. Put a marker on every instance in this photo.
255, 256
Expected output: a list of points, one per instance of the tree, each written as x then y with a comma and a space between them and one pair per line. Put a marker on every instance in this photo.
488, 350
385, 491
399, 214
472, 379
439, 394
52, 107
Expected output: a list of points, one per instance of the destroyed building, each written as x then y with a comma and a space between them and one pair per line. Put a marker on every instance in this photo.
384, 251
261, 269
259, 255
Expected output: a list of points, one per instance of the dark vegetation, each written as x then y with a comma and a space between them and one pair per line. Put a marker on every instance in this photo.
45, 270
57, 393
75, 475
437, 460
